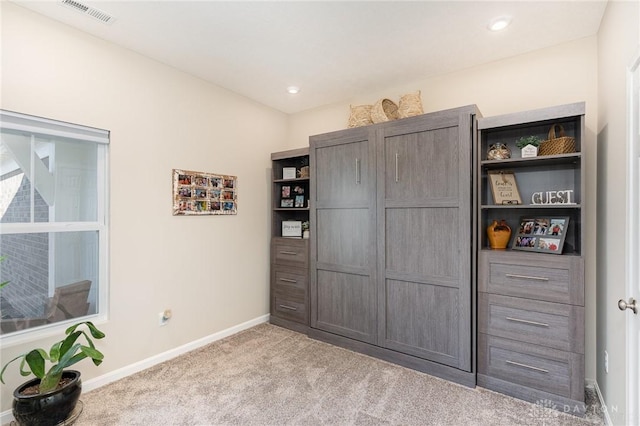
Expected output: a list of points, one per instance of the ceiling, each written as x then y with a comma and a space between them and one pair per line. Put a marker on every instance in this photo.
333, 50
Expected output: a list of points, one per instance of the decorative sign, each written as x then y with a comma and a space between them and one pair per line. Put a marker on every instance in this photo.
288, 173
292, 228
541, 234
504, 187
529, 151
199, 193
564, 196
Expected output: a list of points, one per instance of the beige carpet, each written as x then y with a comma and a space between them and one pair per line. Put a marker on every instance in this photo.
271, 376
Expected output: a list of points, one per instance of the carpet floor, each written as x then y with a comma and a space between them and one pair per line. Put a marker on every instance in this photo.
268, 375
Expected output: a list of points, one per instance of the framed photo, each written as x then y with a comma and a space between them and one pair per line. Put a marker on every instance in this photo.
286, 202
504, 187
299, 201
286, 191
541, 234
292, 228
288, 173
198, 193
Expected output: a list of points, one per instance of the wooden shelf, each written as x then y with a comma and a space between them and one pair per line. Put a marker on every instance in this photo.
544, 160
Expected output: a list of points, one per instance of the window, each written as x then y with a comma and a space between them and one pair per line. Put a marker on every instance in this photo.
53, 226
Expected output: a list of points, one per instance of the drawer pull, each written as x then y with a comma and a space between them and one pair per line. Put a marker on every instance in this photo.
539, 324
287, 280
527, 277
291, 308
289, 253
530, 367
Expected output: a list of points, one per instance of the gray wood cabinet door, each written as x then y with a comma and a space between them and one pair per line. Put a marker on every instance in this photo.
424, 213
343, 268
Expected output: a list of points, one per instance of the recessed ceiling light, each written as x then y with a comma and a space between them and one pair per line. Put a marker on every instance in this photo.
500, 23
293, 89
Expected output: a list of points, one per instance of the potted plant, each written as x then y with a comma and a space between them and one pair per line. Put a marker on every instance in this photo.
51, 397
528, 146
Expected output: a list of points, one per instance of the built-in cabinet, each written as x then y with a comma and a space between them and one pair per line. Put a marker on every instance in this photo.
289, 292
531, 303
392, 247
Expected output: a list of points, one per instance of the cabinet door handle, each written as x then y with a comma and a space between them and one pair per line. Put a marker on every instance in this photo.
357, 171
291, 308
289, 253
527, 277
396, 167
287, 280
530, 367
539, 324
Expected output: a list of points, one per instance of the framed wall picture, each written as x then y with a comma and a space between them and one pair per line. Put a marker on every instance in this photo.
504, 187
200, 193
541, 234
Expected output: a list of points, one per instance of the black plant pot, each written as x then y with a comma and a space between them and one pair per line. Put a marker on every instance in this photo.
50, 408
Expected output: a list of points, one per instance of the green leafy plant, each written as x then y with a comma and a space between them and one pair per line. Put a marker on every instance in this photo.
62, 354
528, 140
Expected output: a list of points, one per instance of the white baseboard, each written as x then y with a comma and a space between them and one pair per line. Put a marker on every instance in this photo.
6, 416
605, 411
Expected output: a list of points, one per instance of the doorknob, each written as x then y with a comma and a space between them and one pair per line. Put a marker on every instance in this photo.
631, 304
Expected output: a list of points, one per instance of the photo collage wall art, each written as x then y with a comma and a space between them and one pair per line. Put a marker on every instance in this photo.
199, 193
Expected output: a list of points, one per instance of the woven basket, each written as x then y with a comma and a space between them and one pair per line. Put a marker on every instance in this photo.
384, 110
557, 145
360, 116
410, 105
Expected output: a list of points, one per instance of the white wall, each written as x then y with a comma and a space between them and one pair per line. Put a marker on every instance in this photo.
617, 46
212, 270
558, 75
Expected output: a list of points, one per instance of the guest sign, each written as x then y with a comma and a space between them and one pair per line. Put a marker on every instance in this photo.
564, 196
504, 187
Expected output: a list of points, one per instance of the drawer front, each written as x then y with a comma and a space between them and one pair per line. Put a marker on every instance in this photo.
548, 370
541, 323
290, 252
532, 275
287, 308
291, 280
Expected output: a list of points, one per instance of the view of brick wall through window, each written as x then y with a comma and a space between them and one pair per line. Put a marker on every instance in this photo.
26, 266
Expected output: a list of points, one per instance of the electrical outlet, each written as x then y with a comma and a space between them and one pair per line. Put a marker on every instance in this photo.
606, 362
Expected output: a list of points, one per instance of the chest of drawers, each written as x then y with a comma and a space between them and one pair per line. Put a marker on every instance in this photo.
531, 327
290, 283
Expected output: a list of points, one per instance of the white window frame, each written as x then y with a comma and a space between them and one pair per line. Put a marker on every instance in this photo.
47, 127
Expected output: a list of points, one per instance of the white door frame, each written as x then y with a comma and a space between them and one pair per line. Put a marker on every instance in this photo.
632, 286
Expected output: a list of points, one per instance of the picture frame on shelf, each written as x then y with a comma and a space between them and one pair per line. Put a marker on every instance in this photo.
542, 234
299, 201
504, 187
286, 203
288, 173
292, 228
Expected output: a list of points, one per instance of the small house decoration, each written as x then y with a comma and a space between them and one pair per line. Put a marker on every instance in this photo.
528, 146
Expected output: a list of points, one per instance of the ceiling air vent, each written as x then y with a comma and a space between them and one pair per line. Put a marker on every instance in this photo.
88, 10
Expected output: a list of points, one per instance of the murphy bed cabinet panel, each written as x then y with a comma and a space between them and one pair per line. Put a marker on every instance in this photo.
343, 286
531, 303
392, 247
